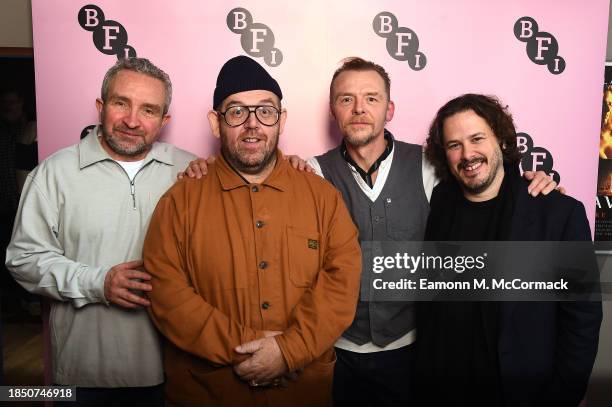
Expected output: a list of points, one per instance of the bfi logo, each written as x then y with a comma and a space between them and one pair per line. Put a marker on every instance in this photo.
542, 47
257, 39
402, 42
109, 36
535, 158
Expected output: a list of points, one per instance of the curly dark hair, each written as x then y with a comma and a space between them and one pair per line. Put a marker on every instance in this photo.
491, 110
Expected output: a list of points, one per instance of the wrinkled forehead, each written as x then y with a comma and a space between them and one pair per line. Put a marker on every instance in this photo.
465, 124
251, 98
354, 80
137, 85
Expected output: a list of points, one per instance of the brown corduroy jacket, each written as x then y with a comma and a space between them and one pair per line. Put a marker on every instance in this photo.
230, 260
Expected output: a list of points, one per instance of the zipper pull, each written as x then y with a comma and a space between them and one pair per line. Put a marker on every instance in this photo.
133, 191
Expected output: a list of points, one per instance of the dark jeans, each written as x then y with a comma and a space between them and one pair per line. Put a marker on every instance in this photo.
381, 379
120, 397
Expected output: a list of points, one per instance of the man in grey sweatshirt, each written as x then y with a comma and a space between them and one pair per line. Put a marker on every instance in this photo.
78, 239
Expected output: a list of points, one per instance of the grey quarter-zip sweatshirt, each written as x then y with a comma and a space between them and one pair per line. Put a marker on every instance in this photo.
80, 215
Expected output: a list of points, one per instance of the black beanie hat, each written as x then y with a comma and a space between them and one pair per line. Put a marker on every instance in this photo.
241, 74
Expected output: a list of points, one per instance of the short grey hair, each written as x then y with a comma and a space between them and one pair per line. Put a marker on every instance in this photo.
143, 66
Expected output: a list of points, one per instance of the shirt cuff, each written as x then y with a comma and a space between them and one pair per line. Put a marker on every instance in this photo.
294, 350
91, 282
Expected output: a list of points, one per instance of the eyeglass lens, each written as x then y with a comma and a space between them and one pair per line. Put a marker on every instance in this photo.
237, 115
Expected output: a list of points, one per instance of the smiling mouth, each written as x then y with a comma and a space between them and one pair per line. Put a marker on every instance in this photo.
128, 133
251, 140
472, 166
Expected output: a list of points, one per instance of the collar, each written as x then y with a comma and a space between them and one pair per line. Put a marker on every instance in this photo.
367, 175
92, 152
231, 179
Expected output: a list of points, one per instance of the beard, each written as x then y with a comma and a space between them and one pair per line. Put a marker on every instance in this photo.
481, 186
359, 142
241, 162
125, 149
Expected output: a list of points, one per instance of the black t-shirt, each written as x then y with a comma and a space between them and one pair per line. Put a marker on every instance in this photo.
472, 220
471, 358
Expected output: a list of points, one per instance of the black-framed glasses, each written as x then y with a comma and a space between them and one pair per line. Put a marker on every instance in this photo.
237, 115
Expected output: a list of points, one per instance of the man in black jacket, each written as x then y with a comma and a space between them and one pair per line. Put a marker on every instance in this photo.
506, 353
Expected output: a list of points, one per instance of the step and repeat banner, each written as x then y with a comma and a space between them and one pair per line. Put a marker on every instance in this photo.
544, 59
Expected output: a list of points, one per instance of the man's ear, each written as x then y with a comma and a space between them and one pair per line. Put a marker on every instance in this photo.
165, 119
213, 121
99, 107
390, 111
282, 120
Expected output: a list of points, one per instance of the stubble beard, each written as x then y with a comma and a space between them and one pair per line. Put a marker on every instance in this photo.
242, 165
494, 165
356, 141
120, 149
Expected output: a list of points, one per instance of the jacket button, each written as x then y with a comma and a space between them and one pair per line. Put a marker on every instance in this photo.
259, 224
265, 305
263, 264
255, 188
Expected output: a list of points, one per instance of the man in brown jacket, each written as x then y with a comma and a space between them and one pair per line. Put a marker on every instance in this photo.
255, 267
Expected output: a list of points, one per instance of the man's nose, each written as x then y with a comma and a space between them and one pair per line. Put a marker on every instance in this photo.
358, 106
251, 121
131, 119
467, 151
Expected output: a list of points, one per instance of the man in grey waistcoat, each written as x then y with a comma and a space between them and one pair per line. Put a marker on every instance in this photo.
386, 185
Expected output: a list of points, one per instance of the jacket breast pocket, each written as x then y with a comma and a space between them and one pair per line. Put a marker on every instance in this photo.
303, 249
403, 225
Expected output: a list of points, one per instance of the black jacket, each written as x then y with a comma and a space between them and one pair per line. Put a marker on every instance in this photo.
546, 350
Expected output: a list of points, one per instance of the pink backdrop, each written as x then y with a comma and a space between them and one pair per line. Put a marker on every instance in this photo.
470, 46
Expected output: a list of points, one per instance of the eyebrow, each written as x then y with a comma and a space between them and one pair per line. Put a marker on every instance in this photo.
480, 133
259, 103
126, 99
111, 97
373, 93
152, 106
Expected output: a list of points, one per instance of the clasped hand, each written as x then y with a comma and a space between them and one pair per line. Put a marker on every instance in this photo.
266, 365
